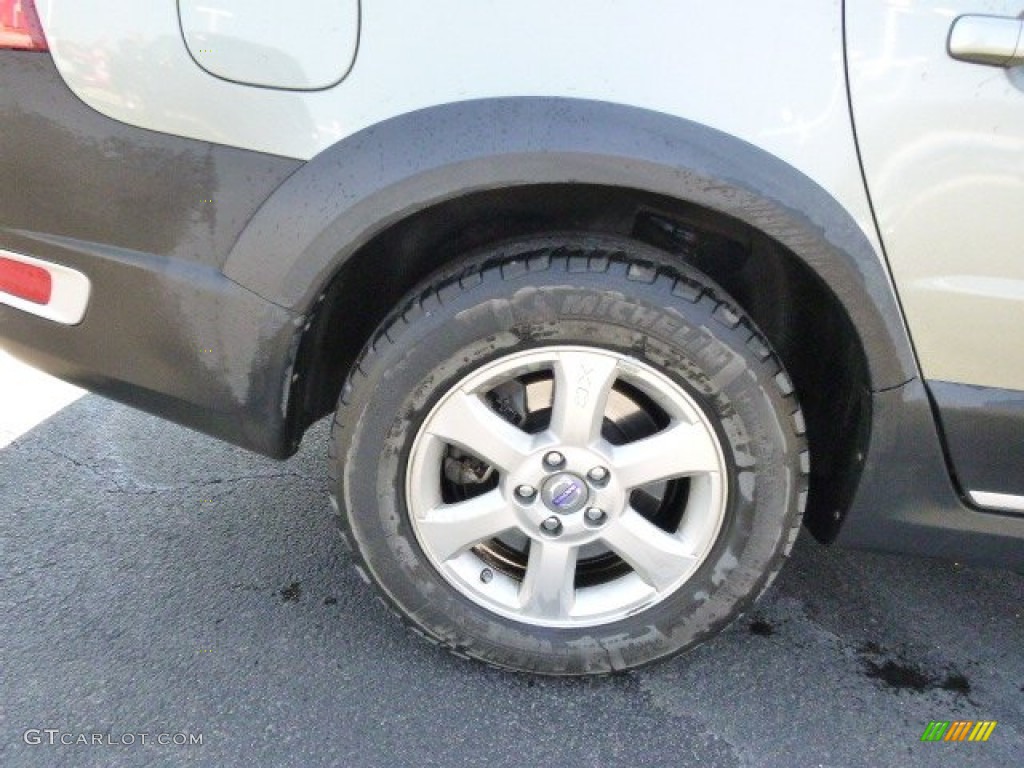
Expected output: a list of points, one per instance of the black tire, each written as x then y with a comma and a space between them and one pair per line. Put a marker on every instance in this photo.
617, 295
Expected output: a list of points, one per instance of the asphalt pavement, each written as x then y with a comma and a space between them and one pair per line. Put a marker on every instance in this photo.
171, 600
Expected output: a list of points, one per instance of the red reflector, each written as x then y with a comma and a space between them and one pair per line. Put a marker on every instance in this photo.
20, 27
25, 281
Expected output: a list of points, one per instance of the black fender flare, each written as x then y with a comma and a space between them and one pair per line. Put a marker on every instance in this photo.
358, 187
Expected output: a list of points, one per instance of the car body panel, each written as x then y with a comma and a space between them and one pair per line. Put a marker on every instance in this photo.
129, 61
84, 176
943, 149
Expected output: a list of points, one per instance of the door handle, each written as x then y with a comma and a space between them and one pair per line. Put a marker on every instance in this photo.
997, 41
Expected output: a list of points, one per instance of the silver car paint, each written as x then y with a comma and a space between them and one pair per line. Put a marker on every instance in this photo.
943, 150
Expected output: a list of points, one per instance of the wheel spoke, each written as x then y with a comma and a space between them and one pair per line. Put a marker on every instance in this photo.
680, 450
659, 558
464, 420
450, 529
582, 383
547, 590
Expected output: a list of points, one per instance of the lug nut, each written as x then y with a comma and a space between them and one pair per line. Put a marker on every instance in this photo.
552, 525
594, 515
598, 475
554, 460
526, 492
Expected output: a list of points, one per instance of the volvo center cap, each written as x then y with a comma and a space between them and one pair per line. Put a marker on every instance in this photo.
565, 493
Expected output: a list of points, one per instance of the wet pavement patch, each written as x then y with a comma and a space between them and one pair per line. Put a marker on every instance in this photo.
761, 628
900, 674
957, 683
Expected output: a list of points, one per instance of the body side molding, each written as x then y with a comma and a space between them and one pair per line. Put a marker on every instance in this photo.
984, 432
906, 500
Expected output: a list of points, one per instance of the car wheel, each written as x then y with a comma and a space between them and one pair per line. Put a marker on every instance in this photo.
569, 455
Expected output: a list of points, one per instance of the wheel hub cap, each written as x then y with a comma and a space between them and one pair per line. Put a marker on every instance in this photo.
565, 493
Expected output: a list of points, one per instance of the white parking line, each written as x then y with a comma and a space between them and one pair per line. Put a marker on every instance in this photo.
29, 397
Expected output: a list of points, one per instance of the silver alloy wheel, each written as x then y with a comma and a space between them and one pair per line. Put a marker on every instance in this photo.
565, 492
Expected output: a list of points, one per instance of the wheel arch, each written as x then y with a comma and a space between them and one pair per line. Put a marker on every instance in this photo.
373, 215
339, 201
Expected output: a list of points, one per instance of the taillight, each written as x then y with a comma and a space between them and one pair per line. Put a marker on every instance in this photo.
25, 281
20, 27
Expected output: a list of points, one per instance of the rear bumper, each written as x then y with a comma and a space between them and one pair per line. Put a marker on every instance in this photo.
149, 220
175, 339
